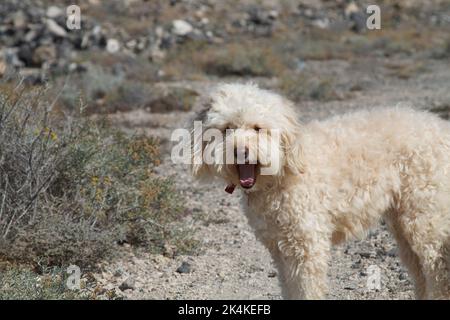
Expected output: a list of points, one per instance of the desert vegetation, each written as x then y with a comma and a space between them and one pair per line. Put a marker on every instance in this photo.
73, 189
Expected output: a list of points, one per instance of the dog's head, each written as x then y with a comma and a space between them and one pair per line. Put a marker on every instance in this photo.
246, 135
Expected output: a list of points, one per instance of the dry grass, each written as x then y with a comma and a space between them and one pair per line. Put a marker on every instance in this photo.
244, 59
405, 71
24, 284
306, 86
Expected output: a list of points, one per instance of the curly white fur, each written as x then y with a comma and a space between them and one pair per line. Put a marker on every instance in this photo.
337, 180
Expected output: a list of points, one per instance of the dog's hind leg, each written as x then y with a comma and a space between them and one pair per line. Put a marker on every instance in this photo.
424, 247
437, 277
408, 256
437, 271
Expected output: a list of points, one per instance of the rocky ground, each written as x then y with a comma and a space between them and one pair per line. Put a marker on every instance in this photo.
133, 57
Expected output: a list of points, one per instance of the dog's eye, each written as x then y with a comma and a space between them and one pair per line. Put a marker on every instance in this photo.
257, 128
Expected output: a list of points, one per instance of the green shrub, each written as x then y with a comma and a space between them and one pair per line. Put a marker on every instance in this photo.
72, 189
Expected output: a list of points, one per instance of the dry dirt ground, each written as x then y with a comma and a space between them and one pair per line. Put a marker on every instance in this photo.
231, 263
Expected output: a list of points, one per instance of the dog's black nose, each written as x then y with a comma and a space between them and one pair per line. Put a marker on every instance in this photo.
241, 154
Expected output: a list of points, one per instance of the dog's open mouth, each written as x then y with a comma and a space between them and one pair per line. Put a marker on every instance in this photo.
247, 175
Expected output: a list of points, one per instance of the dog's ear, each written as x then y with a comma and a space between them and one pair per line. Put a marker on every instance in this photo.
198, 168
291, 137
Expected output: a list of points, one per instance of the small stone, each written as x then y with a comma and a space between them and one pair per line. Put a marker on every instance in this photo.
356, 264
2, 68
73, 67
141, 44
321, 23
19, 19
403, 276
273, 14
181, 28
351, 9
128, 284
131, 44
55, 28
11, 57
358, 20
54, 12
272, 274
43, 53
159, 32
112, 46
161, 73
30, 35
185, 268
349, 288
118, 272
309, 13
25, 54
365, 254
392, 252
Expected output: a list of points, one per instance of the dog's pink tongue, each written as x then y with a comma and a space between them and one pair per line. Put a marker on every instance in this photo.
246, 175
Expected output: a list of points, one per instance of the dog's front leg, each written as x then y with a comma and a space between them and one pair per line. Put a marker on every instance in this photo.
304, 276
302, 259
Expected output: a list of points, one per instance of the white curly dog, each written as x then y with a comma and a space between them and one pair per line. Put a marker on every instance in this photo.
334, 180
